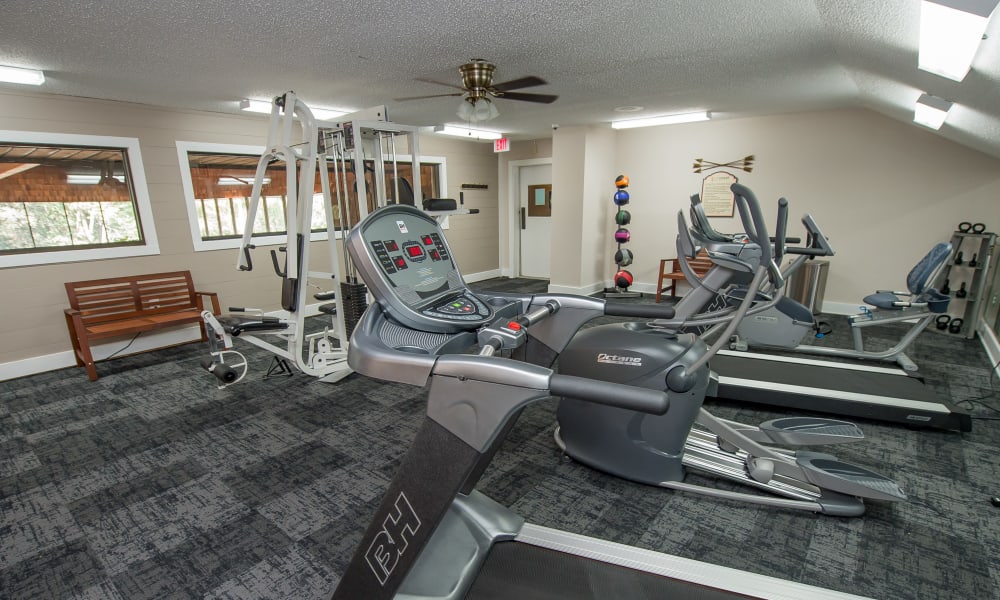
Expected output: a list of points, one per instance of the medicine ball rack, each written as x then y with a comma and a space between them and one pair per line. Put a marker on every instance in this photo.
622, 279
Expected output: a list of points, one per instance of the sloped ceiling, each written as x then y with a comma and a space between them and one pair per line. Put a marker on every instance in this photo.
733, 58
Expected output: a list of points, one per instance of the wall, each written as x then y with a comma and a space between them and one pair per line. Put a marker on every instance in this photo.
883, 191
34, 333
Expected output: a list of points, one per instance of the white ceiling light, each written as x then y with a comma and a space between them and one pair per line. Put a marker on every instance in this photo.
477, 109
468, 133
931, 111
19, 75
950, 33
662, 120
264, 106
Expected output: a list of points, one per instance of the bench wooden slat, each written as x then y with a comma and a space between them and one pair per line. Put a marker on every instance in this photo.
118, 306
700, 264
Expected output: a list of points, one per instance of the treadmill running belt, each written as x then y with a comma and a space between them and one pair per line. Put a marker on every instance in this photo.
515, 570
829, 389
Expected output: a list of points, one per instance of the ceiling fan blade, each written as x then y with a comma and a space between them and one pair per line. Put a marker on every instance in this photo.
516, 84
422, 97
541, 98
451, 85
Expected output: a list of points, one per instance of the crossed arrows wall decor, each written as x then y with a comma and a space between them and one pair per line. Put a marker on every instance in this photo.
745, 163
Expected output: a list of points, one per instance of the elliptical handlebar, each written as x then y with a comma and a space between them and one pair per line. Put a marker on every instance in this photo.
816, 242
780, 230
756, 226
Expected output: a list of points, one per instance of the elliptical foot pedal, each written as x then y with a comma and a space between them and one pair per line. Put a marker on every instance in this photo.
805, 431
827, 472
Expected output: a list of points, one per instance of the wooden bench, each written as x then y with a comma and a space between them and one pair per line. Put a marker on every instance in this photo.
119, 306
700, 264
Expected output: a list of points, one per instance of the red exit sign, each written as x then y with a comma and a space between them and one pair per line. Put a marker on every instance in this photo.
501, 145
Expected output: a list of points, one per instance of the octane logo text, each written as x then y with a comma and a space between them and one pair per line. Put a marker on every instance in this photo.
614, 359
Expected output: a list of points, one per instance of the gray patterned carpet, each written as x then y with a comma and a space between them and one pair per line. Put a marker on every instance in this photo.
151, 483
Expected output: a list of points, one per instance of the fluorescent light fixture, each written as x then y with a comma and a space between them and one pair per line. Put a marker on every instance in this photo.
88, 179
466, 132
663, 120
264, 106
950, 33
327, 114
931, 111
240, 181
19, 75
258, 106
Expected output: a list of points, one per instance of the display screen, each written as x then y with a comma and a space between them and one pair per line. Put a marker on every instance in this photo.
414, 251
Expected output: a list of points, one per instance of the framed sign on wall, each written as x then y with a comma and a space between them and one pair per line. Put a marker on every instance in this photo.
716, 195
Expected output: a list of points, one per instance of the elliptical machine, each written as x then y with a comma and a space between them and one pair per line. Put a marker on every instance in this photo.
657, 449
785, 325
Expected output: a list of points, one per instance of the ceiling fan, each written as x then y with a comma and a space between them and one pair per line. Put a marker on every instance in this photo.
478, 90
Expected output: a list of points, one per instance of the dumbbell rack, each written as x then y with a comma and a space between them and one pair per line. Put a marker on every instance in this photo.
623, 257
969, 307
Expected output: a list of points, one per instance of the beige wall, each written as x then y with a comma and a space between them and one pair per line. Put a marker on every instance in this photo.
883, 191
34, 297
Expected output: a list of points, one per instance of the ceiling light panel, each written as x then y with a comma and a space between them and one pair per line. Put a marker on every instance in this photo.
931, 111
23, 76
661, 120
950, 34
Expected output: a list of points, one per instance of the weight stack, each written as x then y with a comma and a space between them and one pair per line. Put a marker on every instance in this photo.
353, 299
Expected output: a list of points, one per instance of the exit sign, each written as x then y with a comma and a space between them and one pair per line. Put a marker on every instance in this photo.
501, 145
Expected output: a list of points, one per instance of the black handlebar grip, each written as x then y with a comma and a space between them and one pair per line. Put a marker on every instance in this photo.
249, 259
780, 229
647, 311
654, 402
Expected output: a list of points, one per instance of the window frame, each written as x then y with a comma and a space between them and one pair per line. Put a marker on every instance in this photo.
137, 173
202, 245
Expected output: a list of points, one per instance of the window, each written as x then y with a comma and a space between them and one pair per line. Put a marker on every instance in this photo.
218, 181
67, 198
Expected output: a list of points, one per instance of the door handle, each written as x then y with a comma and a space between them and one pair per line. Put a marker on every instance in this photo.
523, 224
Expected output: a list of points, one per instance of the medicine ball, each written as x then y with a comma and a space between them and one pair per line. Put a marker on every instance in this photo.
623, 257
623, 279
623, 217
621, 197
621, 181
622, 236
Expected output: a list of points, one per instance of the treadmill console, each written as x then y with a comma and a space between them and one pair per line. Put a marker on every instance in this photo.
404, 258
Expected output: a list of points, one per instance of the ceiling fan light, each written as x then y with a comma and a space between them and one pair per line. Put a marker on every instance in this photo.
484, 111
465, 111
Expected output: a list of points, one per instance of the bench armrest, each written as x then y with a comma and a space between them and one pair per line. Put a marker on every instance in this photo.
216, 308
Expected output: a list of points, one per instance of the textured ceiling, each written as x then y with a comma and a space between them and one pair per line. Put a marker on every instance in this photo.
732, 58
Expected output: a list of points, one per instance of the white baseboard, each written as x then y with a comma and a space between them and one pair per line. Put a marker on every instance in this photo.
60, 360
578, 291
473, 277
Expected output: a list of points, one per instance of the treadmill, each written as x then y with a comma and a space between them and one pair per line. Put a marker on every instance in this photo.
433, 536
842, 388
